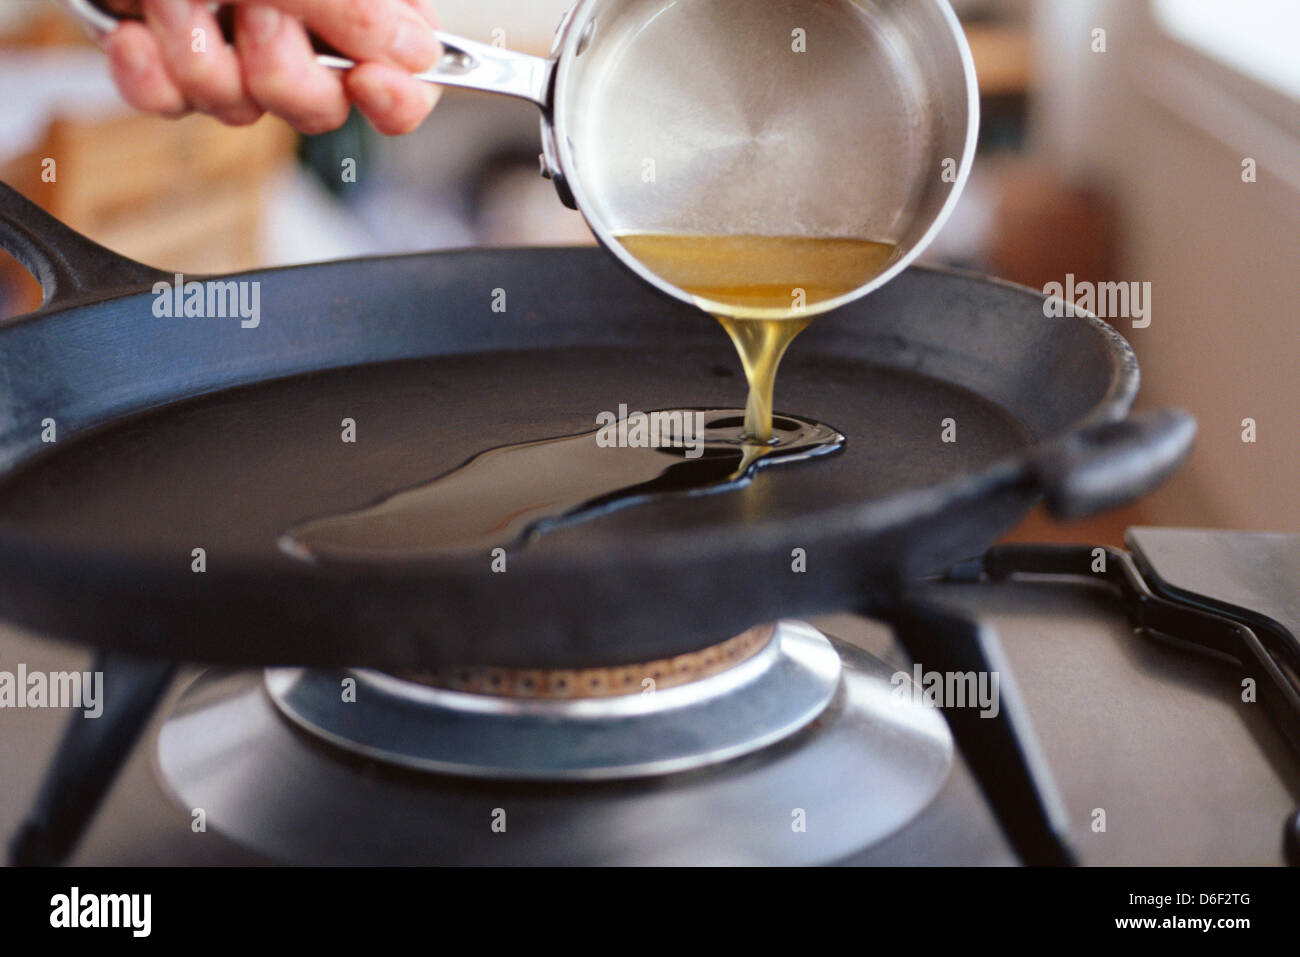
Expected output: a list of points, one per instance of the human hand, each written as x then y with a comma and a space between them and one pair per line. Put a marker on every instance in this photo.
164, 65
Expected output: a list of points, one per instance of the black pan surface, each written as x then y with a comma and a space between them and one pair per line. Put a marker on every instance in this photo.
232, 471
184, 433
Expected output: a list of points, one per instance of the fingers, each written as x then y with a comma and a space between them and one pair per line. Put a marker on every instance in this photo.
177, 60
199, 62
281, 72
391, 99
136, 64
383, 31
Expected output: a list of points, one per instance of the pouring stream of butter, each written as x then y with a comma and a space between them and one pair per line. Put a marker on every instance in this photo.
764, 290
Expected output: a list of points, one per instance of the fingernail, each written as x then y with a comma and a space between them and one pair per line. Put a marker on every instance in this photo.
431, 94
262, 23
414, 45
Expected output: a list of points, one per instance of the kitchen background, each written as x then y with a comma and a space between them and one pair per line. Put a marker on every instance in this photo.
1122, 165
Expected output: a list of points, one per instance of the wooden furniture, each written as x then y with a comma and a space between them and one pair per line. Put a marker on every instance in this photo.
186, 195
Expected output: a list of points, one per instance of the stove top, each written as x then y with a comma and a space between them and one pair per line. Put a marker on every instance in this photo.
1139, 745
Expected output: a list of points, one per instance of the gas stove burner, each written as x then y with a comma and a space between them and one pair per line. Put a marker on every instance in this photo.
769, 781
598, 682
756, 689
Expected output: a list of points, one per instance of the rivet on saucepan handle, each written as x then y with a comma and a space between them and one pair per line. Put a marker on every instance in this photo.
1110, 464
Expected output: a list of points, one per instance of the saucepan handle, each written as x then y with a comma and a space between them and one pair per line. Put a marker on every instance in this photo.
1113, 463
66, 264
466, 63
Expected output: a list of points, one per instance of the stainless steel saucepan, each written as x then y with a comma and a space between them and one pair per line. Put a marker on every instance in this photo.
850, 119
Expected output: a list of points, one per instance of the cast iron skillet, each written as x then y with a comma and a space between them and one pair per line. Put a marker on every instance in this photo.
174, 434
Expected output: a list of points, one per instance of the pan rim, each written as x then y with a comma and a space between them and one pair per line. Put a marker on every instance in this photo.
862, 518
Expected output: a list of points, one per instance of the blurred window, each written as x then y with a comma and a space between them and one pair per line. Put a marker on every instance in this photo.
1258, 38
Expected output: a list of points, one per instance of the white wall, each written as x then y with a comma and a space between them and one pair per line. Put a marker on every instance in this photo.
1166, 129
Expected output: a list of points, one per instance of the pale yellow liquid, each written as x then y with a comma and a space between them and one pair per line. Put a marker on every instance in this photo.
764, 290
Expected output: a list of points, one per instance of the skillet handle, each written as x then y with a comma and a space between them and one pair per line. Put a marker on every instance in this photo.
68, 266
1113, 463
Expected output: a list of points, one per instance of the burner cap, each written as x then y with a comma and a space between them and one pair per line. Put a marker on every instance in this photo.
775, 687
